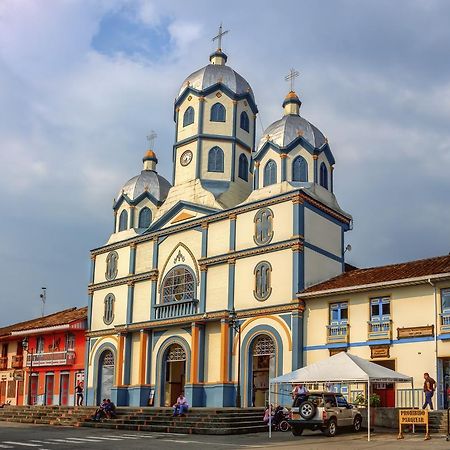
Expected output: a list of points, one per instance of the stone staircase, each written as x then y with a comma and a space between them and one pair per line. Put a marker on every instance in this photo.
197, 421
438, 421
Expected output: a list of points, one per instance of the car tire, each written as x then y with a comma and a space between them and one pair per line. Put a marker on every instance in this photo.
357, 423
307, 409
331, 429
297, 431
284, 426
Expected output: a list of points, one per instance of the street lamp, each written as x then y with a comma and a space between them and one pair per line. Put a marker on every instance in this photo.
235, 324
25, 347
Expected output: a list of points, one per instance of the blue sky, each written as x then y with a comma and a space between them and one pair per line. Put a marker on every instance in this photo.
83, 82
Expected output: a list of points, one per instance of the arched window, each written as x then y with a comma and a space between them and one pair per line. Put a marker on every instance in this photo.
189, 116
215, 160
218, 113
111, 266
123, 220
299, 169
245, 121
263, 287
108, 312
263, 226
243, 167
270, 173
145, 217
323, 176
178, 285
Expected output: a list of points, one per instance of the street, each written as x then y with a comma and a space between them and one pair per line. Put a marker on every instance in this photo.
24, 436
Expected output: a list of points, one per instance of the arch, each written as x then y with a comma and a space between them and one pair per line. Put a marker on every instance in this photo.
123, 220
215, 160
243, 167
218, 113
189, 116
323, 176
300, 169
270, 173
111, 265
145, 217
178, 284
245, 121
96, 365
161, 370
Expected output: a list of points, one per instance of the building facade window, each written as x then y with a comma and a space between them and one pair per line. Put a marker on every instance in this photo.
70, 342
270, 173
445, 300
218, 113
243, 167
338, 313
215, 160
263, 287
323, 179
40, 344
111, 266
380, 309
300, 169
123, 220
245, 121
108, 312
145, 217
189, 116
263, 226
178, 285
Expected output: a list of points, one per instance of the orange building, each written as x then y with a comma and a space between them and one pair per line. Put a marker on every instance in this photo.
43, 359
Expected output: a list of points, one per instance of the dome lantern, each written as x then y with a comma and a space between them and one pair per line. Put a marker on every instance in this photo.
219, 57
150, 160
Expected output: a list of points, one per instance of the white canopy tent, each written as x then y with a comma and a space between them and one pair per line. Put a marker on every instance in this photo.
342, 368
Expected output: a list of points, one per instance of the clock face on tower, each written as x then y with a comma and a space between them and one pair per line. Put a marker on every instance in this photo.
186, 158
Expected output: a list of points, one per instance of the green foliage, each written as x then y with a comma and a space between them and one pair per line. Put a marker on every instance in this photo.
374, 399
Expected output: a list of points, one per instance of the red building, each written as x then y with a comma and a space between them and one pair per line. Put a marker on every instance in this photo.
51, 351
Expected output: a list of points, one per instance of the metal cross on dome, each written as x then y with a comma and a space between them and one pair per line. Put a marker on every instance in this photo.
219, 37
151, 139
293, 74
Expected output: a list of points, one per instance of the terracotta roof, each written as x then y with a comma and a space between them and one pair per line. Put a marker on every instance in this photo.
384, 274
59, 318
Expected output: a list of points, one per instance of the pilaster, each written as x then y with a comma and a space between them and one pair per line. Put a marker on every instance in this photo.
231, 282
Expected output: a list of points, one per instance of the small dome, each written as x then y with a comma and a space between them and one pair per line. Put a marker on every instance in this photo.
217, 73
149, 154
149, 181
290, 127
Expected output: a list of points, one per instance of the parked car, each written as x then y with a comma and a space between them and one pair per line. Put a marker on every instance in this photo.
324, 411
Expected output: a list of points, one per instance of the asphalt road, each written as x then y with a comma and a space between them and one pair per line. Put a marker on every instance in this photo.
37, 437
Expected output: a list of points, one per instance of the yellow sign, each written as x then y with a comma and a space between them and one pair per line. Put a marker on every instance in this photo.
412, 417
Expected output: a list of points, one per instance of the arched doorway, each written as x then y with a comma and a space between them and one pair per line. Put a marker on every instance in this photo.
174, 369
262, 352
105, 375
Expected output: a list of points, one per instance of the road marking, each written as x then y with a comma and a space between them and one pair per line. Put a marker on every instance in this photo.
24, 444
128, 436
61, 440
6, 446
82, 439
105, 438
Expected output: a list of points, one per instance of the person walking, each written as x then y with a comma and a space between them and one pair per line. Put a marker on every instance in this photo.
429, 387
79, 393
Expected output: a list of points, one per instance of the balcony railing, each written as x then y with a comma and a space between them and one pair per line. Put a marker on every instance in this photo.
380, 329
445, 322
338, 333
176, 309
3, 362
17, 361
52, 358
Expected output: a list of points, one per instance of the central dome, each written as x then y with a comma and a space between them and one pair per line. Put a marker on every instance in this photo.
148, 181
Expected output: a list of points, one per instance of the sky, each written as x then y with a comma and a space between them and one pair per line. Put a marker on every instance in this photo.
82, 83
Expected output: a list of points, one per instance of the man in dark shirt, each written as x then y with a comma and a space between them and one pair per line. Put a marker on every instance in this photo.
429, 386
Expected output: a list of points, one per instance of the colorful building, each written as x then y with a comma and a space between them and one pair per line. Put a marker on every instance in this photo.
42, 359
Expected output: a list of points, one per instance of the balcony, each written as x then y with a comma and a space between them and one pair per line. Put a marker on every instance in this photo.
17, 361
3, 362
52, 358
176, 309
338, 333
380, 329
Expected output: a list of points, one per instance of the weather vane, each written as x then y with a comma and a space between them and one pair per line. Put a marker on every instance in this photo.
293, 74
219, 37
151, 139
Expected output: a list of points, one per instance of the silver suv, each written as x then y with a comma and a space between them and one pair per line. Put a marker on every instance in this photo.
324, 411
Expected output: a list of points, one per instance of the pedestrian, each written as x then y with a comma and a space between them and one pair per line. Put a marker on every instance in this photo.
110, 409
429, 387
79, 393
181, 406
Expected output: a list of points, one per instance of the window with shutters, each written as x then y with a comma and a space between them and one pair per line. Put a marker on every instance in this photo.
111, 266
108, 313
263, 226
263, 287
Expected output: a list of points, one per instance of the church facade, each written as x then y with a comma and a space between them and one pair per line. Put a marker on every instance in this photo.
197, 287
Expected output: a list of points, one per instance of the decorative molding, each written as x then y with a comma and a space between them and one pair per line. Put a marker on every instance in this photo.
283, 155
297, 247
204, 225
124, 280
203, 268
232, 216
410, 332
315, 157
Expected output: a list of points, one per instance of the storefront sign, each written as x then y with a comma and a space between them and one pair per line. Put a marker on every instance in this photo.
379, 351
412, 417
410, 332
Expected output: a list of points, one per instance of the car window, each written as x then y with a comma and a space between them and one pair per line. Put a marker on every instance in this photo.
330, 400
341, 402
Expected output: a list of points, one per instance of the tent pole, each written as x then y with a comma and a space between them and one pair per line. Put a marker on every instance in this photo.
270, 411
368, 411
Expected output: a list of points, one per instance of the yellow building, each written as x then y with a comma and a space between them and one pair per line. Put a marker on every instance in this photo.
196, 288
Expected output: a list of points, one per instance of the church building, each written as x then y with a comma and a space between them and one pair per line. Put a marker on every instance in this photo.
197, 288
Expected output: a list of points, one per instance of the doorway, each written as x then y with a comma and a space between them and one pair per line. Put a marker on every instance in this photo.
105, 375
263, 368
49, 384
175, 374
64, 389
34, 388
386, 391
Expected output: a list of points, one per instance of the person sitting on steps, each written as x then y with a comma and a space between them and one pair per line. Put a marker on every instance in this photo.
100, 411
181, 406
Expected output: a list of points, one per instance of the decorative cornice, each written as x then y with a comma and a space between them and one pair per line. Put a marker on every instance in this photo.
232, 216
297, 247
203, 268
297, 200
133, 245
201, 99
204, 225
315, 156
124, 280
283, 155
